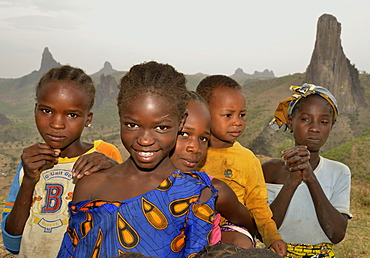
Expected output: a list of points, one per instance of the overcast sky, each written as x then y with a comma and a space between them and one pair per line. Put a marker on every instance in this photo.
207, 36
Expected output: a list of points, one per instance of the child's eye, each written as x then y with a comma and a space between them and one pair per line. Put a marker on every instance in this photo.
305, 119
184, 134
131, 125
325, 122
242, 115
227, 115
162, 128
204, 139
73, 115
46, 111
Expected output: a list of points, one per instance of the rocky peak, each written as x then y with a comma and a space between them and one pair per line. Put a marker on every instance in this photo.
47, 61
330, 68
239, 71
265, 74
107, 66
106, 89
107, 70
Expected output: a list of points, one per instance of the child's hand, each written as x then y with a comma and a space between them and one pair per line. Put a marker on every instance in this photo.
37, 158
279, 247
91, 163
298, 159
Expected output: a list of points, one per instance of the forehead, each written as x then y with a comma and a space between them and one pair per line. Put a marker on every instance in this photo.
57, 91
150, 103
226, 95
198, 114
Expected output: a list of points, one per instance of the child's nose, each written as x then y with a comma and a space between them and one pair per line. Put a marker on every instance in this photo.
315, 127
238, 121
57, 122
145, 139
193, 146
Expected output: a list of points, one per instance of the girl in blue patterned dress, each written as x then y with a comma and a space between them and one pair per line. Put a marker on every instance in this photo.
144, 204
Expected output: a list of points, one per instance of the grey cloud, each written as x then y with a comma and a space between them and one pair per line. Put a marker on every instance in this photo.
40, 22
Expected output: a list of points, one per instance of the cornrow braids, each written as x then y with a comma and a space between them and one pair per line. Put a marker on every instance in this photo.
194, 96
70, 74
156, 78
208, 84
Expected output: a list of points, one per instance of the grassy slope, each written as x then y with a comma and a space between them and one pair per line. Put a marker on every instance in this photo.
262, 99
356, 155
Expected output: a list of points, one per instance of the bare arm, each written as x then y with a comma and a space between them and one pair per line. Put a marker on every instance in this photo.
281, 203
331, 220
35, 158
228, 206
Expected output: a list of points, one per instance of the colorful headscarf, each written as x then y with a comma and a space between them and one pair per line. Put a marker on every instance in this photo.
285, 108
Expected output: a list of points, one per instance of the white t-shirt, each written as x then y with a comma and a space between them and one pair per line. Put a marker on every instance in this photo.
300, 224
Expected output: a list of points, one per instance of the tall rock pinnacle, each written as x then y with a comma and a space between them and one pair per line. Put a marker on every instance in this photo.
47, 61
330, 68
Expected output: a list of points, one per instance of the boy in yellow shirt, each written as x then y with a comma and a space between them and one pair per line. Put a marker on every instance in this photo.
232, 163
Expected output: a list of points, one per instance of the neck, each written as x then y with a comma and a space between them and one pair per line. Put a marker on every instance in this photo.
219, 144
76, 148
314, 159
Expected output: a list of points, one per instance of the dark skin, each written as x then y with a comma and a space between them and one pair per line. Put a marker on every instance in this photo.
191, 148
311, 126
148, 131
193, 141
227, 109
91, 163
61, 113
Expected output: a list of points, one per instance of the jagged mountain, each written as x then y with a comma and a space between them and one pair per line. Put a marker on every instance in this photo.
47, 62
106, 70
241, 77
330, 67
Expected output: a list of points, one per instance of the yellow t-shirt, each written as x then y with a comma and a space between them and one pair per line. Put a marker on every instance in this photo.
239, 168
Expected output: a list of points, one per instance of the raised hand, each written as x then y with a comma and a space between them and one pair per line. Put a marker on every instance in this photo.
37, 158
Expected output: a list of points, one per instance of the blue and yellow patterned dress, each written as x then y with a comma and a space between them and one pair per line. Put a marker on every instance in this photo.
168, 221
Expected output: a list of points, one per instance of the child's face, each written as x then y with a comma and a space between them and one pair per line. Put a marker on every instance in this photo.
227, 108
192, 142
312, 122
61, 113
149, 130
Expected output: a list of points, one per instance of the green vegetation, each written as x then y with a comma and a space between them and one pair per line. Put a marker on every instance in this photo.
349, 142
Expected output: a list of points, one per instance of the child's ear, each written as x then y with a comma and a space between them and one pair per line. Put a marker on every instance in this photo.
183, 120
89, 119
290, 122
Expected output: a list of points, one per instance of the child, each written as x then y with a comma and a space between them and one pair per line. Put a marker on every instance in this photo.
191, 148
228, 161
308, 194
144, 204
36, 211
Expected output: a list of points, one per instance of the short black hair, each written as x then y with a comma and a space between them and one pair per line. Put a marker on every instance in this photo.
160, 79
71, 74
208, 84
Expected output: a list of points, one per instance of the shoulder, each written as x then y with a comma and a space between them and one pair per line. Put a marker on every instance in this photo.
336, 166
272, 170
108, 149
87, 185
102, 145
241, 152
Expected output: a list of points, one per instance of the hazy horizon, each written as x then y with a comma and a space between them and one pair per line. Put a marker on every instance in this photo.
194, 36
